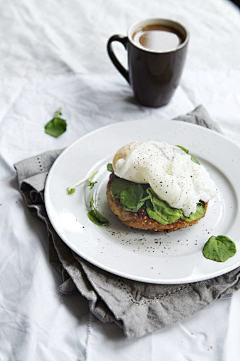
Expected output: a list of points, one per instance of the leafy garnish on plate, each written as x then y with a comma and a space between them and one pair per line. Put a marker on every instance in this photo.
219, 248
94, 215
71, 190
57, 125
97, 218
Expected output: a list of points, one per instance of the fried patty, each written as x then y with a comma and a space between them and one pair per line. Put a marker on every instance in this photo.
140, 219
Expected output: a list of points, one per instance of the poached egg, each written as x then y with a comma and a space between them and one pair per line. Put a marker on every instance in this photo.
169, 171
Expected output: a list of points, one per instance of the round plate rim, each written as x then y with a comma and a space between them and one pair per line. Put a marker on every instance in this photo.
106, 268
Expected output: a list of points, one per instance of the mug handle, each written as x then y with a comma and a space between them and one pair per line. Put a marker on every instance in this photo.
123, 40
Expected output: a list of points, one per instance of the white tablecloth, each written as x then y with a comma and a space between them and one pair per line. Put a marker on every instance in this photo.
53, 54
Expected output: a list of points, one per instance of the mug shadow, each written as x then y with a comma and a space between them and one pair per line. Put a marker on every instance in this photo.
132, 100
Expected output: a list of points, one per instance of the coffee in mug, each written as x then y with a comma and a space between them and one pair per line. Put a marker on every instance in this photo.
156, 54
157, 37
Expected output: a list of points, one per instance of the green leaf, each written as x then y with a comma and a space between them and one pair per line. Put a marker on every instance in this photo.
110, 168
129, 193
70, 190
162, 210
133, 209
146, 197
198, 214
117, 186
154, 215
97, 218
82, 181
187, 151
219, 248
100, 216
94, 215
184, 149
194, 159
139, 204
131, 196
91, 201
57, 125
91, 184
58, 113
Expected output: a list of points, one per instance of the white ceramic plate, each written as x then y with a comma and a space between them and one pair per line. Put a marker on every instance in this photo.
144, 256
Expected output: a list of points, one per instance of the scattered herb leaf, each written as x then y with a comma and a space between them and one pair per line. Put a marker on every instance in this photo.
187, 151
70, 190
57, 125
194, 159
110, 168
94, 215
97, 218
91, 201
184, 149
91, 184
219, 248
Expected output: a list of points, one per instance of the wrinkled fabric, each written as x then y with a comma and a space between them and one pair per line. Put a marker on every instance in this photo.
53, 54
137, 307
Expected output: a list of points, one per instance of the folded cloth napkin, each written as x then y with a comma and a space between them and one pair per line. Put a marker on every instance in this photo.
139, 308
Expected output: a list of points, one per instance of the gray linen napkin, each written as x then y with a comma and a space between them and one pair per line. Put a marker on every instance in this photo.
139, 308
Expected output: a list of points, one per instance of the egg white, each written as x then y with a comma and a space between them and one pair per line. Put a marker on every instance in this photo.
169, 171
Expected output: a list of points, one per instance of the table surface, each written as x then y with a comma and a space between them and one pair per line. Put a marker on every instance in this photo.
53, 53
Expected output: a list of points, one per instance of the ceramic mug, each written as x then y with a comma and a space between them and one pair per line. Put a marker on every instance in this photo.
153, 74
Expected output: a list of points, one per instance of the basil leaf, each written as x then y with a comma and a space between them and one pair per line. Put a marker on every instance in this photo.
57, 125
219, 248
131, 196
110, 168
97, 218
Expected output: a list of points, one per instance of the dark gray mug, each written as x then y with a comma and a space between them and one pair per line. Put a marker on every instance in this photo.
153, 74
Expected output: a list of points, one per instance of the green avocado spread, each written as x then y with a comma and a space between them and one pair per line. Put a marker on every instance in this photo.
133, 196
